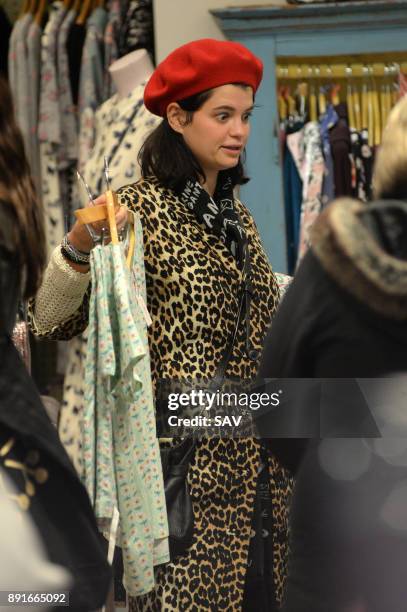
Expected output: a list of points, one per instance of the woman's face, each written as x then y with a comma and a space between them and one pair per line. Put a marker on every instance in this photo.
219, 130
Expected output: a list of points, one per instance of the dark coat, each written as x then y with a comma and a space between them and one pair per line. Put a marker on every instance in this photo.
345, 315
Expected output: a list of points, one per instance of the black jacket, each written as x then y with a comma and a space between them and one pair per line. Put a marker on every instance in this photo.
345, 315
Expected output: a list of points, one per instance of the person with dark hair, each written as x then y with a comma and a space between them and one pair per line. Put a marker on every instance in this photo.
347, 313
199, 241
46, 486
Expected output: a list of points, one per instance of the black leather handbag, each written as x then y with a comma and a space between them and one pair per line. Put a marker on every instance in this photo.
175, 462
177, 459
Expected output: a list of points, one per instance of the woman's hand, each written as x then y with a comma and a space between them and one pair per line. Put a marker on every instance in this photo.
79, 236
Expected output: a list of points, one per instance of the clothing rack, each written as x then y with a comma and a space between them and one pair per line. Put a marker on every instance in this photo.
335, 109
340, 70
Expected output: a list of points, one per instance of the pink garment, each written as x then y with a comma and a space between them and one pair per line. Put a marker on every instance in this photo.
402, 85
306, 148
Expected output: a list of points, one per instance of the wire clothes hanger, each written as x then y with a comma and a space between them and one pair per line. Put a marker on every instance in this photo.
92, 213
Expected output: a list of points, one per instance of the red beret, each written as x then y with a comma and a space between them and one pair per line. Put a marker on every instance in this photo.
198, 66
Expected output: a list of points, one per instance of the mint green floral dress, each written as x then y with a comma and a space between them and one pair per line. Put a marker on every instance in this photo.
122, 466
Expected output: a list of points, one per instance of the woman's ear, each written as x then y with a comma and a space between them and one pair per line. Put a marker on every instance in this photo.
176, 117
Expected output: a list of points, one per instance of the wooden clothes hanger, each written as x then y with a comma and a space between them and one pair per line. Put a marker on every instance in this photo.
39, 15
377, 135
365, 101
107, 211
321, 100
87, 7
356, 106
350, 101
24, 8
292, 107
335, 99
282, 107
303, 97
371, 109
313, 112
32, 7
370, 116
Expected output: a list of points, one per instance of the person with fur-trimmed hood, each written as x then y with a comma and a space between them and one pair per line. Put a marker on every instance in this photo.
346, 312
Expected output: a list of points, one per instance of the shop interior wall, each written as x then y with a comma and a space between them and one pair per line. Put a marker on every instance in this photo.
178, 21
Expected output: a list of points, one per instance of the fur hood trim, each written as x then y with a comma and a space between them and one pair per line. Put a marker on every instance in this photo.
355, 259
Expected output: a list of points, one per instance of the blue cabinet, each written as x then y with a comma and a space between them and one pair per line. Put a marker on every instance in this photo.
313, 30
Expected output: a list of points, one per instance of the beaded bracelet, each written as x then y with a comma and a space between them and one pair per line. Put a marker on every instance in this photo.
73, 254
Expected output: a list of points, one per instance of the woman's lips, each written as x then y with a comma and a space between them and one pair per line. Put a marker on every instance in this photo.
232, 149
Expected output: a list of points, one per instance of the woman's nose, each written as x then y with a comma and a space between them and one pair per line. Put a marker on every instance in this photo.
237, 128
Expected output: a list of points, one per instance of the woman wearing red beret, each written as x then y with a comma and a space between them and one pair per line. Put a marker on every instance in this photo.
199, 243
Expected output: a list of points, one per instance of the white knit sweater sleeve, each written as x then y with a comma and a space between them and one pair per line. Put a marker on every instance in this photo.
60, 295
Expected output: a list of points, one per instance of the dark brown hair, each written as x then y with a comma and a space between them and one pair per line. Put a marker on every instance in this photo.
166, 155
17, 192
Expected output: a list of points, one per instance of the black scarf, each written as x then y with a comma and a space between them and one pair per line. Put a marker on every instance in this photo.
218, 214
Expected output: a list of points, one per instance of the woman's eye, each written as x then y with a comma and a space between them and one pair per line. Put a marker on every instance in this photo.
247, 117
222, 116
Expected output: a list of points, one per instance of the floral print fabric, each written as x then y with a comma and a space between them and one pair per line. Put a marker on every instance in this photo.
91, 93
306, 149
49, 130
122, 465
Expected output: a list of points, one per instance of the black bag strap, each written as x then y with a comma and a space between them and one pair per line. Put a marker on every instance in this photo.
244, 306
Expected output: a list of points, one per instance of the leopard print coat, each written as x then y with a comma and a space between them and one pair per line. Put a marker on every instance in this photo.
193, 286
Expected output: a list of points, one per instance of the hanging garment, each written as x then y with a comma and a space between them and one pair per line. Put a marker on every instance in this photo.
402, 84
223, 474
122, 465
34, 71
111, 44
49, 130
306, 149
137, 30
121, 128
292, 201
292, 198
339, 140
367, 154
326, 123
358, 167
5, 33
68, 149
19, 81
284, 281
12, 57
74, 47
91, 93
